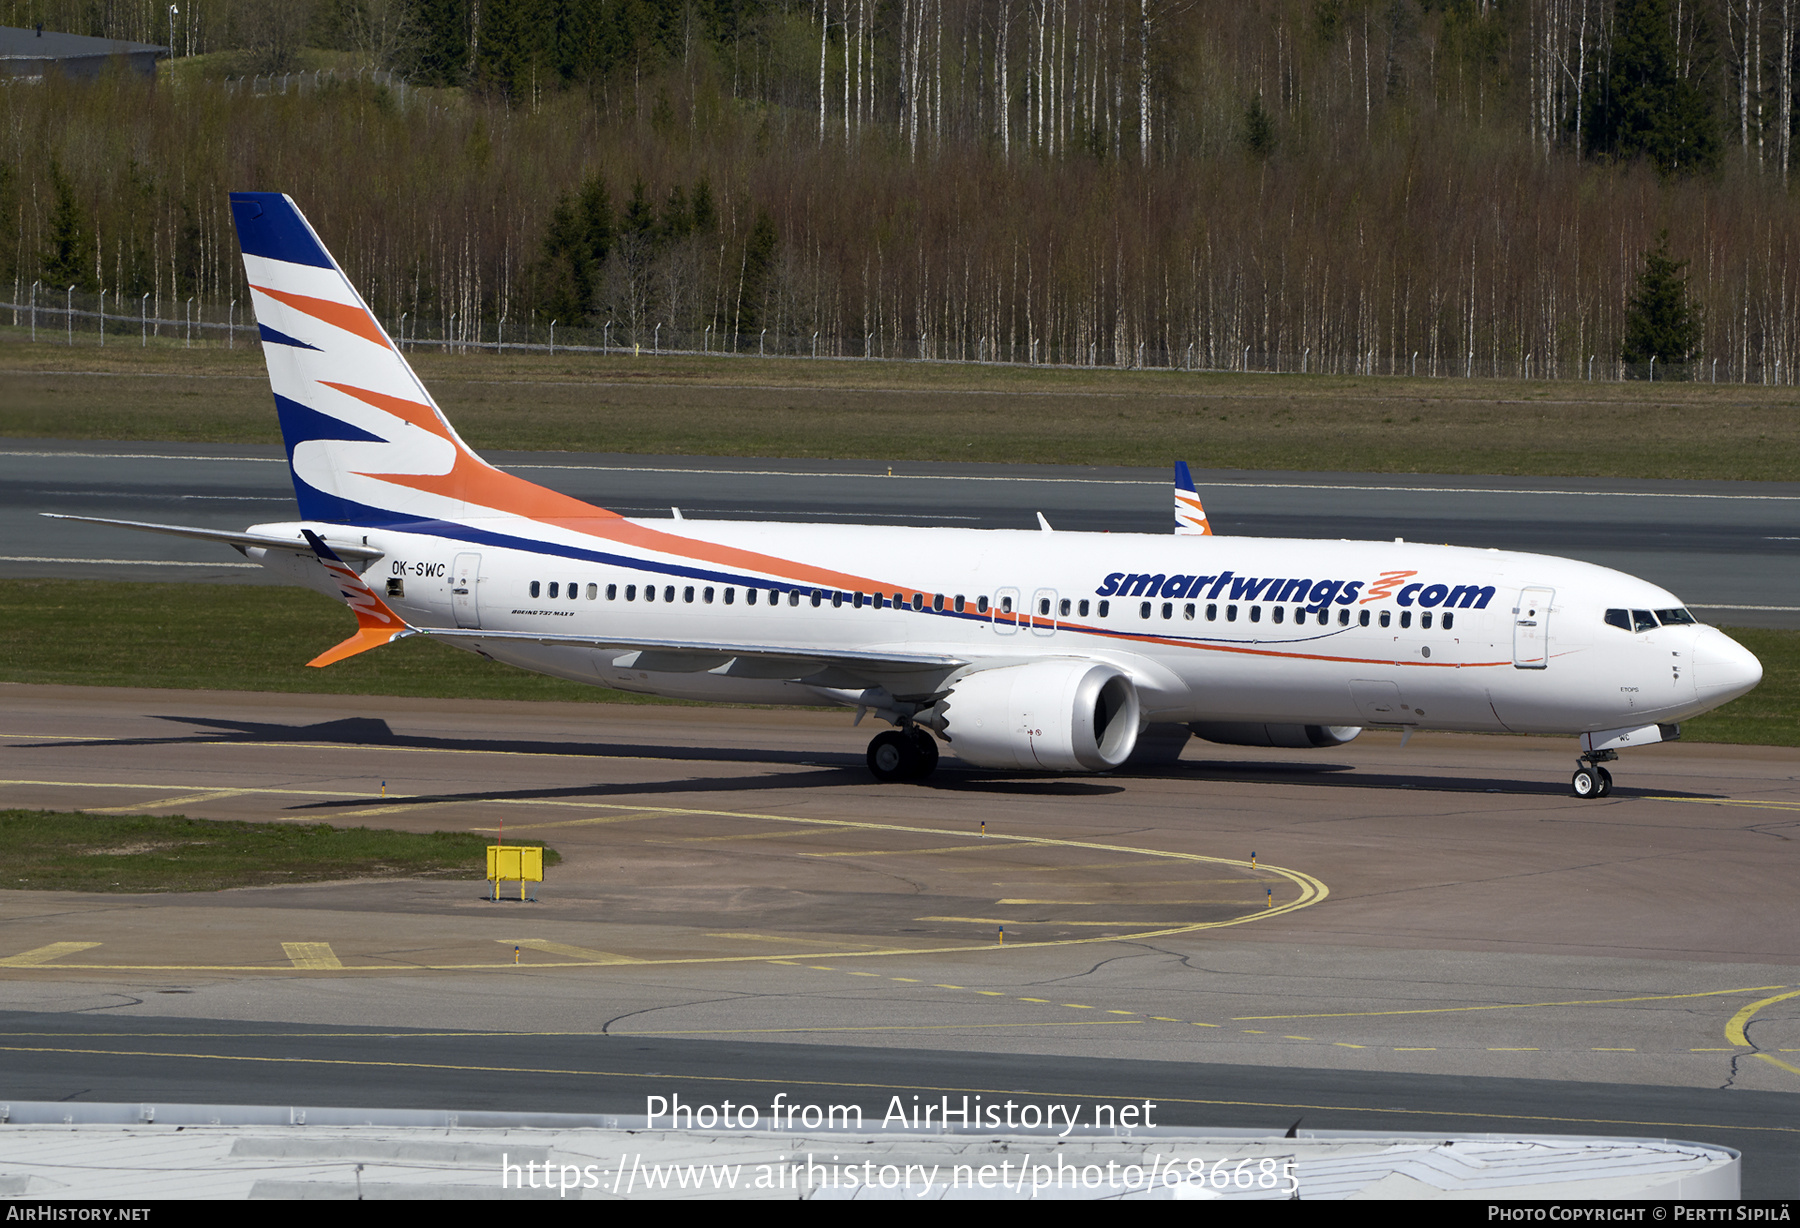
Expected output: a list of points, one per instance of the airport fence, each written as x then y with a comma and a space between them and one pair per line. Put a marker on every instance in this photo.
73, 317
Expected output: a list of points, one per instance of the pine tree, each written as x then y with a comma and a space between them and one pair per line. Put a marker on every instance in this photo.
1640, 107
1660, 322
69, 258
576, 246
1258, 130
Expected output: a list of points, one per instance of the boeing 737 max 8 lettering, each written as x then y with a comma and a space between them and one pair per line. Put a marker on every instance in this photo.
1033, 650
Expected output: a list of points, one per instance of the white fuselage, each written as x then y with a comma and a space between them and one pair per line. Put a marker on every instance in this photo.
1331, 633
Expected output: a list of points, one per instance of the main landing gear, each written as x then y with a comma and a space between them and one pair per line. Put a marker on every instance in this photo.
1590, 779
903, 754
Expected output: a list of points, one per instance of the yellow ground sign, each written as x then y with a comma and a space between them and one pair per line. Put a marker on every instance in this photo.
515, 863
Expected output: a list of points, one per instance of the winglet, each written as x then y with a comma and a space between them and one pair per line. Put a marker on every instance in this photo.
376, 624
1190, 517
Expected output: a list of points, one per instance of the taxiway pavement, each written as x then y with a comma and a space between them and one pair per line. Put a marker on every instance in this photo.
1439, 932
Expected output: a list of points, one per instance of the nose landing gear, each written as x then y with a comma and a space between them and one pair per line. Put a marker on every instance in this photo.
902, 754
1590, 779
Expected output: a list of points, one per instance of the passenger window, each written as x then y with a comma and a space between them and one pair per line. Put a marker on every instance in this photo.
793, 596
1082, 609
837, 600
534, 588
1168, 610
1187, 611
1405, 618
1231, 612
1344, 617
631, 592
1643, 620
669, 593
1255, 614
687, 594
981, 605
730, 595
749, 596
918, 601
1044, 606
1362, 619
937, 602
612, 592
960, 601
1144, 610
707, 596
1449, 620
1006, 605
1425, 620
1212, 612
574, 590
1105, 608
1278, 612
1387, 616
553, 588
1063, 607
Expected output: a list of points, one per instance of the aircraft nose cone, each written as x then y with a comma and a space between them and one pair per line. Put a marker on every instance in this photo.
1723, 668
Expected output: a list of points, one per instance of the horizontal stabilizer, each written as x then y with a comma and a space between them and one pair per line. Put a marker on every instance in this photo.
237, 540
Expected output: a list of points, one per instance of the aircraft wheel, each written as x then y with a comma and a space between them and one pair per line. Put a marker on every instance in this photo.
1585, 782
926, 748
893, 756
1605, 782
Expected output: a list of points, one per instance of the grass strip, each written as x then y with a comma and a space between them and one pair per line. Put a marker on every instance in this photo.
887, 411
232, 637
50, 850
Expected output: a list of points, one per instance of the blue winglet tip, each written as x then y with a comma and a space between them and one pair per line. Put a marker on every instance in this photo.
1183, 479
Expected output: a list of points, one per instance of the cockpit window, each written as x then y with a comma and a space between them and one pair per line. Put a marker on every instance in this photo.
1676, 618
1643, 620
1619, 618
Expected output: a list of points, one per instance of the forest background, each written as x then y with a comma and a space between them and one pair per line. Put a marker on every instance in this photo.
1449, 187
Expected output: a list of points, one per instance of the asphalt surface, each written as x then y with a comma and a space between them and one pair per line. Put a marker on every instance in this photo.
152, 1059
1429, 937
1729, 549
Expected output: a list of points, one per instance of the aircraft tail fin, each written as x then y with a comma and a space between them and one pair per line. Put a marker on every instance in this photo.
376, 623
366, 444
1190, 516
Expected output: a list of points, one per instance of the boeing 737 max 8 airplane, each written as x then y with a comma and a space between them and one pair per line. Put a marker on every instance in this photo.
1034, 650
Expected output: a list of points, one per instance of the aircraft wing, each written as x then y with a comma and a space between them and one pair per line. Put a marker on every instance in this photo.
700, 656
239, 541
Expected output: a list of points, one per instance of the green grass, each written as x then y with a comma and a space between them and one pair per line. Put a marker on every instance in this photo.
230, 637
885, 411
251, 638
51, 850
1769, 715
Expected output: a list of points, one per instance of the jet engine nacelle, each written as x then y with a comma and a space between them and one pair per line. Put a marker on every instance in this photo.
1051, 716
1300, 737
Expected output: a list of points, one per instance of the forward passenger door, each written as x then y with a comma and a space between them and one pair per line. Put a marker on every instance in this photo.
1531, 628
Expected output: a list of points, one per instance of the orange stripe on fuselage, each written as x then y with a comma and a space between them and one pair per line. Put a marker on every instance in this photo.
476, 482
351, 319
